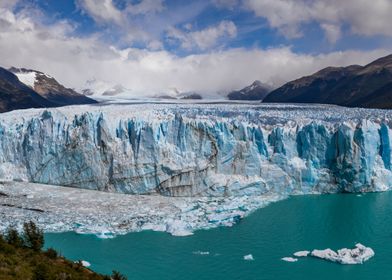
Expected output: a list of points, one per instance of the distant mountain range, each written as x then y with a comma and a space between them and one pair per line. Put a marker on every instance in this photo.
353, 86
256, 91
23, 88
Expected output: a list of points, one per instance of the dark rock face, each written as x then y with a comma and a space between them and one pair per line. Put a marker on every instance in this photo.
353, 86
53, 91
256, 91
192, 96
16, 95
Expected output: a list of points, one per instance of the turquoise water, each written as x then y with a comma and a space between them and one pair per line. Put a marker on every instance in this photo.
298, 223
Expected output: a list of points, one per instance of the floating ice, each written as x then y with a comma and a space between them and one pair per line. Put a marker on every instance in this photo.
85, 263
248, 257
58, 209
201, 253
301, 253
358, 255
289, 259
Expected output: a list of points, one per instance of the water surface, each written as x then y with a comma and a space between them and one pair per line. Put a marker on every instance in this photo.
280, 229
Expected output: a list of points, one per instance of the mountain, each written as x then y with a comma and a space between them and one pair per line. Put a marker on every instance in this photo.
49, 88
353, 86
256, 91
16, 95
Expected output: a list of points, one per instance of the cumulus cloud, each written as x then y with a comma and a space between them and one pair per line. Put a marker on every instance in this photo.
56, 50
289, 16
205, 38
105, 11
102, 11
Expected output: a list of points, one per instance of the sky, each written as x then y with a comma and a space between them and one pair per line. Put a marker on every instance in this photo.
206, 46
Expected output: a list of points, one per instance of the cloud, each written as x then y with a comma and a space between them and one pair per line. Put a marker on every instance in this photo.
290, 16
332, 32
105, 11
56, 50
102, 11
205, 38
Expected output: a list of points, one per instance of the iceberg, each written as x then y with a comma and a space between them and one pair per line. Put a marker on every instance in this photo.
200, 150
248, 257
301, 254
289, 259
358, 255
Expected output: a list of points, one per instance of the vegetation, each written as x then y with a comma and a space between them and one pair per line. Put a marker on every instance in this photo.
22, 257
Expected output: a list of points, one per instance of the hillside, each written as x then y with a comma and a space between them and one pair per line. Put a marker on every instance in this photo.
367, 86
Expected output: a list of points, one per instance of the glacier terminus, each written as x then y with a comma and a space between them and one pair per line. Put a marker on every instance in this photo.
209, 151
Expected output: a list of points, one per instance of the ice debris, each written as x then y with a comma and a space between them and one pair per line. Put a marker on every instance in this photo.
59, 209
248, 257
301, 253
289, 259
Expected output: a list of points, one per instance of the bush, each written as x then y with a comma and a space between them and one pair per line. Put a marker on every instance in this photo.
33, 236
51, 254
41, 272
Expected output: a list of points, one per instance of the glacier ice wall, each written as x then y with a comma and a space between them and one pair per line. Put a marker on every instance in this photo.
200, 150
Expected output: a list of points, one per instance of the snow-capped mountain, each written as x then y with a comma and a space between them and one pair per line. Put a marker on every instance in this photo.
49, 88
256, 91
16, 95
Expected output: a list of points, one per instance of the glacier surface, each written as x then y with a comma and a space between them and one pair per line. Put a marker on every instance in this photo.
200, 150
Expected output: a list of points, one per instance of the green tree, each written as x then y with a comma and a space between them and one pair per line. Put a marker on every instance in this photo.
33, 236
13, 238
118, 276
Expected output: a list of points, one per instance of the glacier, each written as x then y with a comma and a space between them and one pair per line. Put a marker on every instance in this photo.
199, 149
186, 166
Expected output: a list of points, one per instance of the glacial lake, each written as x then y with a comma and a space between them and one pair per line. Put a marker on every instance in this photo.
279, 230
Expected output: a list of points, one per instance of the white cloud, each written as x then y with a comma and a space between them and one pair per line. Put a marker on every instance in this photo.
105, 11
145, 7
205, 38
24, 42
102, 11
362, 16
332, 32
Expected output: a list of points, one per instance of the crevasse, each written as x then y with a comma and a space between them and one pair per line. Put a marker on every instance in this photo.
199, 150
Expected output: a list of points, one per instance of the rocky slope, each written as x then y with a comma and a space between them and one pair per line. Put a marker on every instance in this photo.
49, 88
16, 95
256, 91
353, 86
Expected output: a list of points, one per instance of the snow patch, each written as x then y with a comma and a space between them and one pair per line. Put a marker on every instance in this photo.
28, 78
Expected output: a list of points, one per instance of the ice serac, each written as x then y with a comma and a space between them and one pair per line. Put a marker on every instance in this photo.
200, 150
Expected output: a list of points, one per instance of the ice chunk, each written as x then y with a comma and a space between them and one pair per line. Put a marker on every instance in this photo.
248, 257
301, 253
178, 228
289, 259
201, 253
358, 255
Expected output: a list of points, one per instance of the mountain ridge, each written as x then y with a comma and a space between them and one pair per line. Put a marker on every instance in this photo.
368, 86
